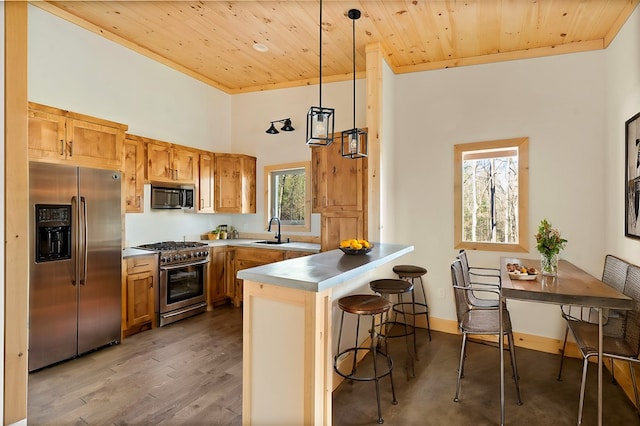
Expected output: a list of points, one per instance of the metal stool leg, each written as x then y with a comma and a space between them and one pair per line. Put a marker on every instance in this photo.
374, 353
426, 306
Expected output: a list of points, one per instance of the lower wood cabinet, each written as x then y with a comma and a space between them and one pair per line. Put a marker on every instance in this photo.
249, 257
138, 295
219, 264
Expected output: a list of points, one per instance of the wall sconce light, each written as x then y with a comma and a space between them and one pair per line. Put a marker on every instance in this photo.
285, 128
354, 141
320, 120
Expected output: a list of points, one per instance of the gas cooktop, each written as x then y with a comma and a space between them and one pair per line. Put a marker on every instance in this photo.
172, 245
179, 252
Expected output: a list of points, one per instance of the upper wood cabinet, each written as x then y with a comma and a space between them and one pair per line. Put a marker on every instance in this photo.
235, 183
205, 183
133, 167
60, 136
337, 182
170, 163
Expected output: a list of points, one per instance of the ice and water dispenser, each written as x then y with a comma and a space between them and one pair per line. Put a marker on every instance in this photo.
53, 232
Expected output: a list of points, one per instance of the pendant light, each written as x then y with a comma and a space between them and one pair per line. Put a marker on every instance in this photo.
354, 141
320, 119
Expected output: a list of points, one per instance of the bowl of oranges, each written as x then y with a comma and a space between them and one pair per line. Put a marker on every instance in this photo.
355, 246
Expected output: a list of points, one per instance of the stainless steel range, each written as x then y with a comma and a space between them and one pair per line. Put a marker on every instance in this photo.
183, 279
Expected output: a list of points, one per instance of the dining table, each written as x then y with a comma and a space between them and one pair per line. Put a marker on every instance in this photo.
570, 286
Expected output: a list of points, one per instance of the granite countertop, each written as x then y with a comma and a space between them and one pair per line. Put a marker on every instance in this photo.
324, 270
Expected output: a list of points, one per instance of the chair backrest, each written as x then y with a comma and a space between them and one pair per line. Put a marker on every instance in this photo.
464, 262
457, 280
615, 272
632, 289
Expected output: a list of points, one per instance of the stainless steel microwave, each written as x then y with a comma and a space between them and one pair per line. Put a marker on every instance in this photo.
172, 197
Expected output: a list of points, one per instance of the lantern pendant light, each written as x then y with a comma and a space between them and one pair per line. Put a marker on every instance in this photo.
320, 119
354, 141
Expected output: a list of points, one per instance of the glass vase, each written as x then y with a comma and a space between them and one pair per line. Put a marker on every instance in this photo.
549, 264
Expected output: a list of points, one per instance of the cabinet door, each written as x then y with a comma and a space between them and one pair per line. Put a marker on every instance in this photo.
134, 176
318, 179
344, 183
139, 299
94, 144
245, 258
184, 165
205, 183
159, 166
47, 139
248, 182
338, 226
228, 177
217, 275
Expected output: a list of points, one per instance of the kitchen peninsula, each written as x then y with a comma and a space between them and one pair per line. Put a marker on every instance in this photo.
289, 308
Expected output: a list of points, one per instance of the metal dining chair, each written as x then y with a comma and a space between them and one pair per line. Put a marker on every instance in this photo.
488, 278
474, 321
614, 275
625, 347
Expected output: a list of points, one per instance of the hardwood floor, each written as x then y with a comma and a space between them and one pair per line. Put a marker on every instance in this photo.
187, 373
190, 373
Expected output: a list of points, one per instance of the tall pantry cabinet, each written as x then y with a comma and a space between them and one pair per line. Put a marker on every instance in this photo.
339, 187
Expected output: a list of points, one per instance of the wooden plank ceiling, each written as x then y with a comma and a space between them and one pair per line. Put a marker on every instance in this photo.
213, 40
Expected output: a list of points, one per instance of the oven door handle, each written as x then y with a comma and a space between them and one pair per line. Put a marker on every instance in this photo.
182, 265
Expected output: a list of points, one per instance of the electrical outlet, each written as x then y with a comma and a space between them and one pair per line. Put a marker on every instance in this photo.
441, 293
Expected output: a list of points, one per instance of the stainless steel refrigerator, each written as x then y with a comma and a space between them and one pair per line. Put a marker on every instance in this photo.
75, 261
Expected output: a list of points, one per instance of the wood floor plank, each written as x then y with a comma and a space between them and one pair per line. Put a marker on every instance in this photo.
178, 374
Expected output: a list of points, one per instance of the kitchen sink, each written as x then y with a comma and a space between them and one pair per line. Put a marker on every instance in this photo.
271, 242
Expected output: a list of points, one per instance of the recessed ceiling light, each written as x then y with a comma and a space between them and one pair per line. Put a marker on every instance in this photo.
260, 47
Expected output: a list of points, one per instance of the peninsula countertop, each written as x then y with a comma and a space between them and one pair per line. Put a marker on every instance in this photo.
321, 271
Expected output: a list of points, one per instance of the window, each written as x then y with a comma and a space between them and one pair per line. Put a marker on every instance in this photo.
491, 195
288, 195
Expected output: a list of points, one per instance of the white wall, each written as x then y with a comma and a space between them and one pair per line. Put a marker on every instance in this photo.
558, 102
622, 102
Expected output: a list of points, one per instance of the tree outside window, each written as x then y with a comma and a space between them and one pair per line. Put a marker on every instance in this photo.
288, 195
491, 181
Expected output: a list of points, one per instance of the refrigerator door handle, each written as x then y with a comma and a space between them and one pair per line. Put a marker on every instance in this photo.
83, 241
74, 251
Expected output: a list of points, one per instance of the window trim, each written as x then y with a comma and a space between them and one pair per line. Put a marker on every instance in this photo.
306, 165
523, 195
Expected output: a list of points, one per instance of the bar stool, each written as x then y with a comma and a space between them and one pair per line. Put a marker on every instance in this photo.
420, 307
387, 287
372, 305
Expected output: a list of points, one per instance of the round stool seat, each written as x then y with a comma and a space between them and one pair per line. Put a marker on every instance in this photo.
364, 304
409, 271
390, 286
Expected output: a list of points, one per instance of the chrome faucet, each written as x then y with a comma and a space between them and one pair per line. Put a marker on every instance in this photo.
278, 234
